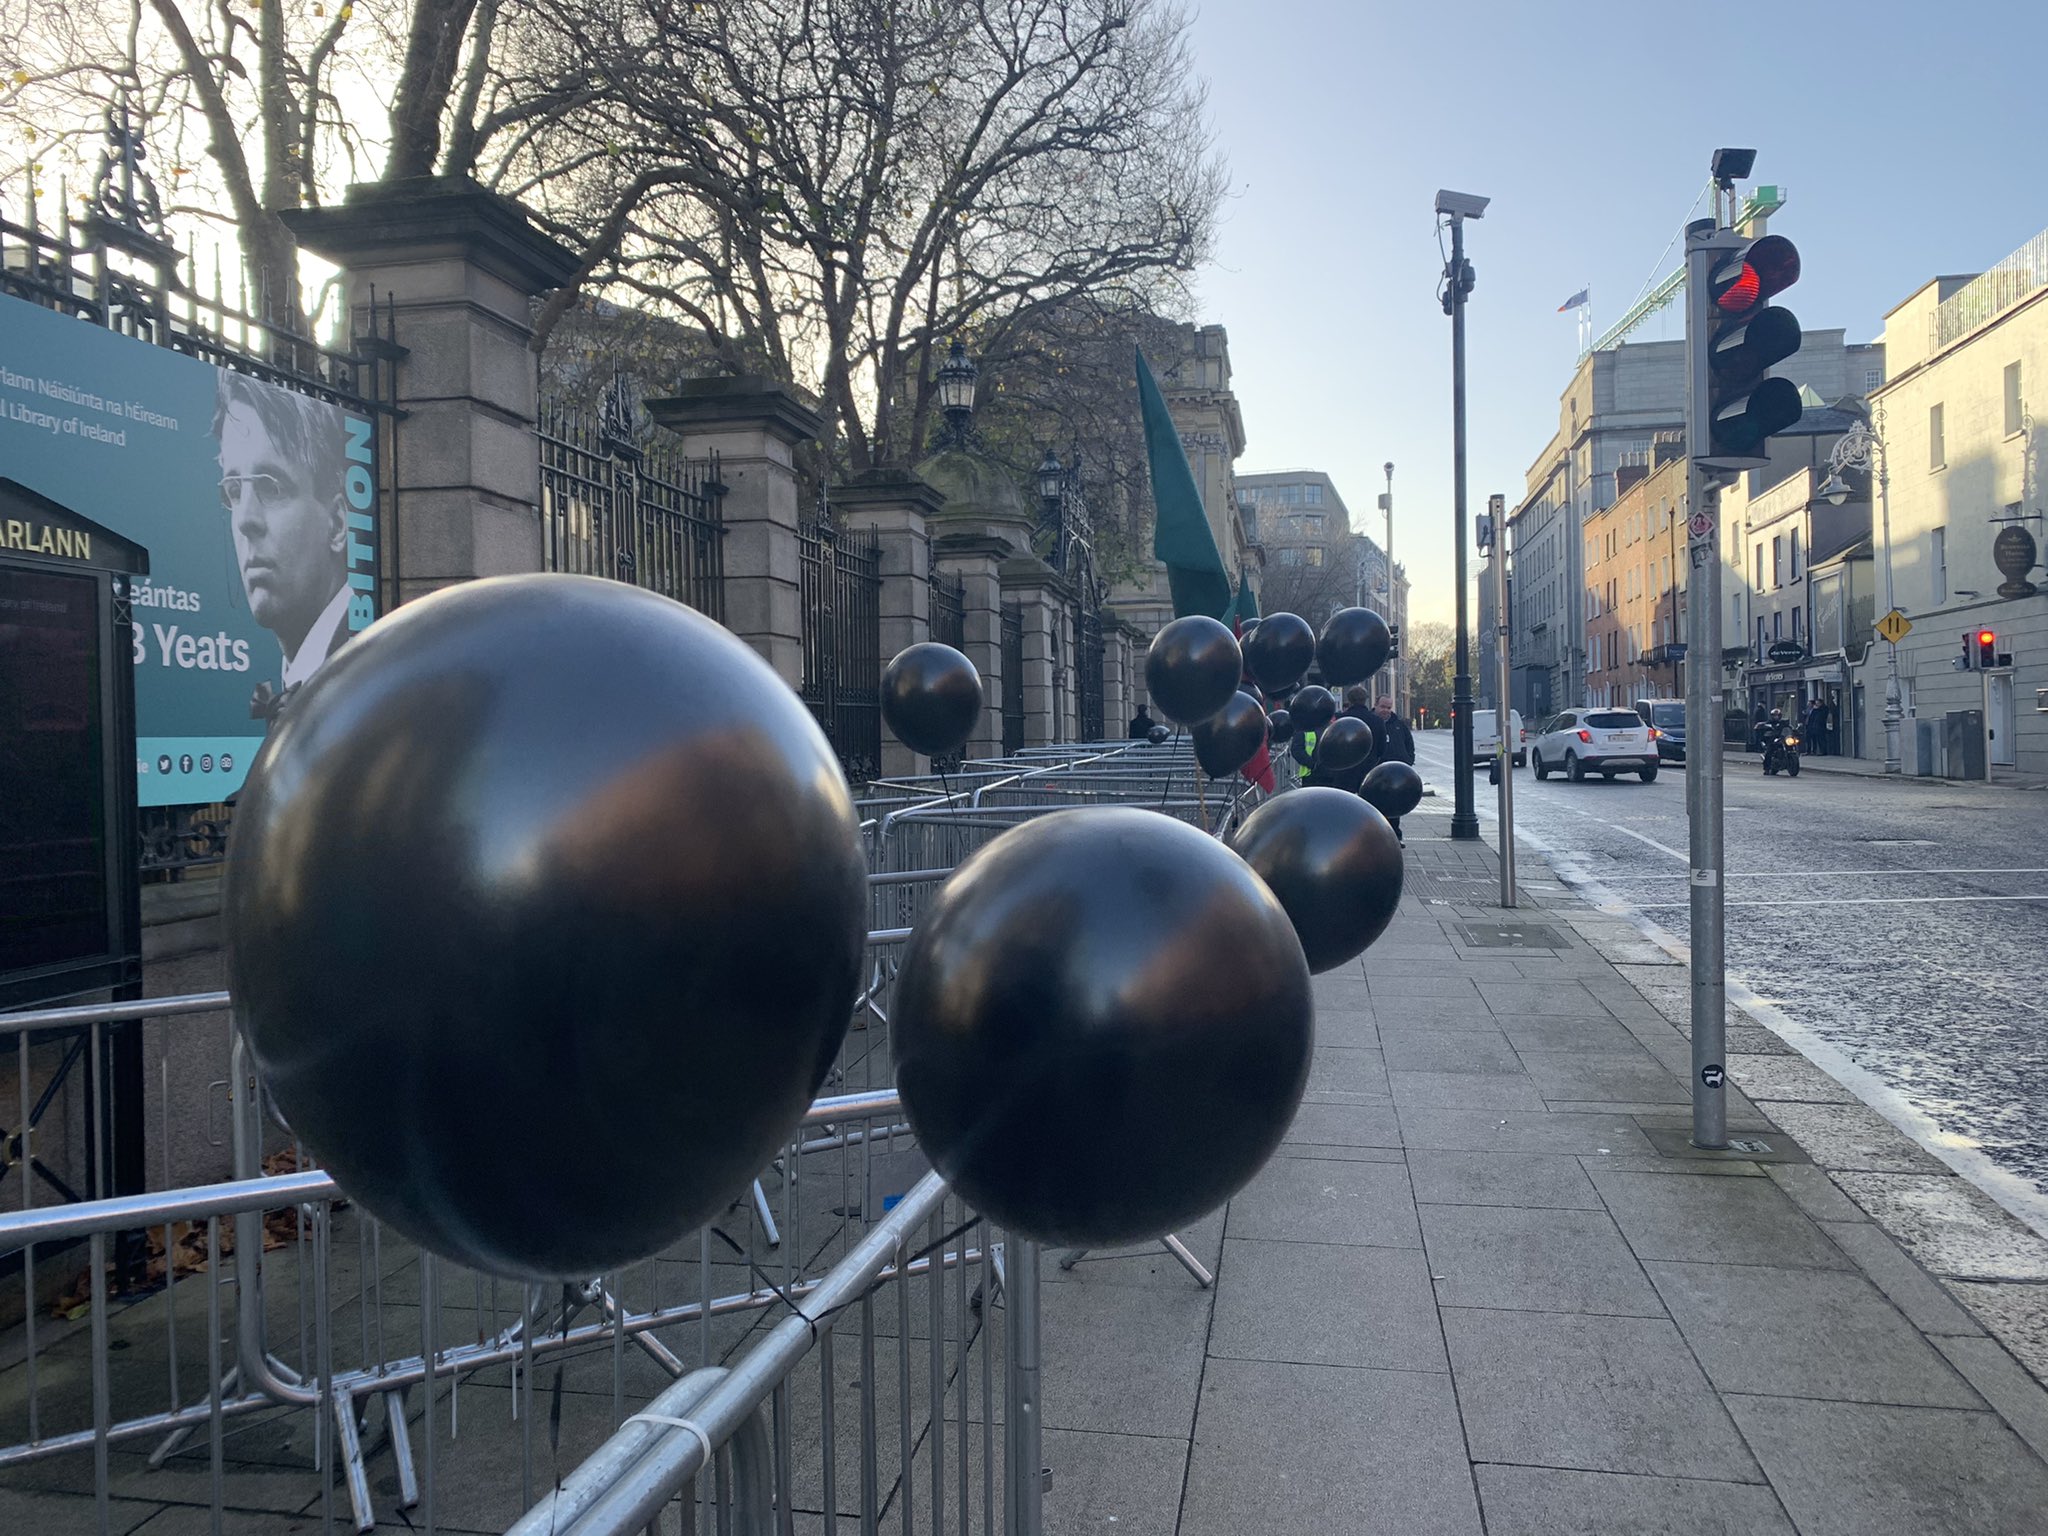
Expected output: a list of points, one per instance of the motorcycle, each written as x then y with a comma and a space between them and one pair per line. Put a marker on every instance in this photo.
1781, 751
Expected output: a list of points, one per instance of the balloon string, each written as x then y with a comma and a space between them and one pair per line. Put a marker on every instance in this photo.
1168, 789
789, 1301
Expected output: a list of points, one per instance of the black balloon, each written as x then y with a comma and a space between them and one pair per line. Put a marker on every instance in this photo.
1192, 669
1279, 726
1103, 1027
1335, 865
547, 904
1312, 708
1281, 651
1353, 646
1157, 734
1346, 743
1393, 789
931, 697
1226, 740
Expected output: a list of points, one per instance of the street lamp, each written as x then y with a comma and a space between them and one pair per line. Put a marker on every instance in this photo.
1051, 477
1861, 448
1455, 208
955, 382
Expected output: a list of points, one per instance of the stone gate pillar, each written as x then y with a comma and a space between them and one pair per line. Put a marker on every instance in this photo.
457, 267
754, 425
896, 507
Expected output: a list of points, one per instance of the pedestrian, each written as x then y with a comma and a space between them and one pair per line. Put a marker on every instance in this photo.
1817, 729
1396, 745
1141, 725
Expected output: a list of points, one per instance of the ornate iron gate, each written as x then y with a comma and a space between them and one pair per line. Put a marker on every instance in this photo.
841, 594
1088, 688
949, 610
611, 508
1013, 681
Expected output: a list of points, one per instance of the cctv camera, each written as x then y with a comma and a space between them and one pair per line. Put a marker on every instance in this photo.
1462, 205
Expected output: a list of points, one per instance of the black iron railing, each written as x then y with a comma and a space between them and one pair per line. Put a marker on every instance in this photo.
841, 597
1013, 681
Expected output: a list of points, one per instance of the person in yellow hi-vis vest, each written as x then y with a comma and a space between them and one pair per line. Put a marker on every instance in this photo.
1304, 750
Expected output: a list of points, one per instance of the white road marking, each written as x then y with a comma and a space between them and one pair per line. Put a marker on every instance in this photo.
1808, 874
1846, 901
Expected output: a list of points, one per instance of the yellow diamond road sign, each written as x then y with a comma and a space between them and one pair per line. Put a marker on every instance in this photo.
1894, 626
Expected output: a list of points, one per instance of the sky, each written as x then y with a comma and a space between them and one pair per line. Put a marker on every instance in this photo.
1908, 139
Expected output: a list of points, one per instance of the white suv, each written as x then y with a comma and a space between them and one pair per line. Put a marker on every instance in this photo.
1602, 741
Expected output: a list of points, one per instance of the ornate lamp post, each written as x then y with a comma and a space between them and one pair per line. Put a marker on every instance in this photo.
955, 382
1862, 448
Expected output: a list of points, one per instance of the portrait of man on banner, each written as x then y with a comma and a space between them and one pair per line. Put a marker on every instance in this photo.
282, 468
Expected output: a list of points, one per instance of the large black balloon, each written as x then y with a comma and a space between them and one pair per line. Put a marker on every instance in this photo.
1192, 669
931, 697
1335, 865
1353, 646
546, 908
1226, 740
1346, 743
1102, 1027
1312, 708
1393, 789
1281, 651
1279, 726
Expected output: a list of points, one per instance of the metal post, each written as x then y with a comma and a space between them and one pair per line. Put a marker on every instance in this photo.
1392, 615
1503, 717
1024, 1471
1703, 756
1464, 819
1894, 706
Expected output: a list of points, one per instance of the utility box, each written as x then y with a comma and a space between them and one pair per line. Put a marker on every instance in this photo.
1963, 743
1923, 745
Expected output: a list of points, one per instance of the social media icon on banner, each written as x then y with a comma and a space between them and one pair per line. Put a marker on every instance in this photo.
185, 763
163, 764
227, 762
206, 762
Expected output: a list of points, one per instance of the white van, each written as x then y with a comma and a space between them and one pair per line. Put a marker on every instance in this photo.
1486, 736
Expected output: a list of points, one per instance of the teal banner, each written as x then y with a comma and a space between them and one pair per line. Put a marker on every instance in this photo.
257, 505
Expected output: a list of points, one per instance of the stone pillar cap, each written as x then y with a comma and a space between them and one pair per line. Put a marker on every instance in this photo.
748, 399
425, 217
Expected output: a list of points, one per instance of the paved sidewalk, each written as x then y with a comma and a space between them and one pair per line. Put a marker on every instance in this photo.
1487, 1286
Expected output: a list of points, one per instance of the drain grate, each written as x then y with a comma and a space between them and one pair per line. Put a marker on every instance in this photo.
1512, 936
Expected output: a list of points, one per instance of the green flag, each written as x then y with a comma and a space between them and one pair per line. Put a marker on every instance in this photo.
1180, 531
1246, 608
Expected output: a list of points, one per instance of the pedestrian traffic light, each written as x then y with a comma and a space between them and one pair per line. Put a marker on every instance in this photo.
1987, 649
1393, 642
1734, 337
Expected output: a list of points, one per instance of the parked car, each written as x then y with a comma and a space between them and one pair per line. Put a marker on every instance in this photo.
1603, 741
1486, 736
1666, 720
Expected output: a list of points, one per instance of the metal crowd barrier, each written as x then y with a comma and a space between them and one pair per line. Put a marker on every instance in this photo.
282, 1308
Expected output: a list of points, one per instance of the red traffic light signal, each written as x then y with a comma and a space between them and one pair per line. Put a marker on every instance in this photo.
1987, 648
1742, 338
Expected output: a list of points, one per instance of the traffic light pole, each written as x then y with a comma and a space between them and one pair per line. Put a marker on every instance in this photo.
1703, 756
1464, 817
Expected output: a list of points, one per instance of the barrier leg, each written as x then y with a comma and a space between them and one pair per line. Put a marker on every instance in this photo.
400, 1435
768, 1228
1188, 1261
349, 1442
1024, 1469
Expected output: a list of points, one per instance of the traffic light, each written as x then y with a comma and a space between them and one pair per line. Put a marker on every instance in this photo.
1734, 337
1393, 642
1987, 649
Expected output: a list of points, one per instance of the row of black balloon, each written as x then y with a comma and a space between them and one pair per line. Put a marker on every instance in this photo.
1195, 664
547, 907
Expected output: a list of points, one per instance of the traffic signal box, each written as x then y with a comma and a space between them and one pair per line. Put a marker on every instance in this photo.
1732, 405
1980, 651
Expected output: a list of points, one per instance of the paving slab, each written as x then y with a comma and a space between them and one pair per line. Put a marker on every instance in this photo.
1480, 1130
1464, 1090
1604, 1394
1917, 1294
1301, 1448
1858, 1469
1805, 1333
1465, 1050
1524, 1181
1327, 1304
2016, 1315
1546, 1501
1612, 1076
1316, 1200
1540, 1261
1728, 1221
1336, 1124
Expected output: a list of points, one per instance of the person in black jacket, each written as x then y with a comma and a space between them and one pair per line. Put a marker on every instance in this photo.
1141, 724
1395, 741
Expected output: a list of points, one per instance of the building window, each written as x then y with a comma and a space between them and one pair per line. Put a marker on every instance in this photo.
1795, 625
1937, 444
1761, 638
1778, 625
1290, 557
1759, 567
1938, 564
1795, 554
1314, 520
1777, 560
1315, 557
1872, 378
1312, 495
2015, 413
